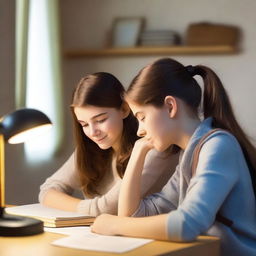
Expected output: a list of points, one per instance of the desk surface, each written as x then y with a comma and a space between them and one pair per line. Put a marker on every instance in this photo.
39, 245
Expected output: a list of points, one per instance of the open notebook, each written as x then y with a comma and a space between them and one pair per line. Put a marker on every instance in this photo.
50, 216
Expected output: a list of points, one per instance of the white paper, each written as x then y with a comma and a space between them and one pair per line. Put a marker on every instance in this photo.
83, 238
69, 231
38, 210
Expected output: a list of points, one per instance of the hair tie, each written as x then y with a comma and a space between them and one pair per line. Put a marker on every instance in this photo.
191, 70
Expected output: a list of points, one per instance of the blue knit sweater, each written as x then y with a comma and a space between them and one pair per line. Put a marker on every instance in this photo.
222, 184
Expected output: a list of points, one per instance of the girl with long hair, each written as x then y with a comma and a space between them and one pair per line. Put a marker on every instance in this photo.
212, 189
105, 133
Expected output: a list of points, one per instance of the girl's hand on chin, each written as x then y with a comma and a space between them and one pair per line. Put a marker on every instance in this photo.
105, 224
143, 145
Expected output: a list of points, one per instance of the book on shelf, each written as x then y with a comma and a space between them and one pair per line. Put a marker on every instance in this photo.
159, 38
50, 216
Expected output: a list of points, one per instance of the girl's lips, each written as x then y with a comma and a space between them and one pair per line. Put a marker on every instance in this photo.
101, 139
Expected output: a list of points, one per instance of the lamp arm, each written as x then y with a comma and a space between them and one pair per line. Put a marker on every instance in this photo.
2, 172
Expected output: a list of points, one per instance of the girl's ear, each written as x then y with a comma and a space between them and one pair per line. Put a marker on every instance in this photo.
171, 104
125, 109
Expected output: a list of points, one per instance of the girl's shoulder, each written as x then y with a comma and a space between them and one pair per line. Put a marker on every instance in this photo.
219, 138
218, 144
218, 151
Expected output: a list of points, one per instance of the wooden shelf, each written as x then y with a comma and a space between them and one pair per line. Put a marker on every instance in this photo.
139, 51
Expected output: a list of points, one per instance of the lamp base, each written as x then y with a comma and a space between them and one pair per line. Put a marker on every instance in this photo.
11, 225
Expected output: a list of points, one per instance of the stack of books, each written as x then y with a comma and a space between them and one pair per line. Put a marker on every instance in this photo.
159, 38
50, 216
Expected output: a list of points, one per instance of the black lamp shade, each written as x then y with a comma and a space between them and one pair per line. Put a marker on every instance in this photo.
22, 120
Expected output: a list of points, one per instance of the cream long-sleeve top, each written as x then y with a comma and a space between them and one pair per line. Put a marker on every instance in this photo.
222, 183
66, 180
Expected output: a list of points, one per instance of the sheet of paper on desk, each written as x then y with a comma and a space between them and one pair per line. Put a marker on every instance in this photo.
69, 231
83, 238
32, 210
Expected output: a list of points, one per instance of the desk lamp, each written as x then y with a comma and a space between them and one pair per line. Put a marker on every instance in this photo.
16, 127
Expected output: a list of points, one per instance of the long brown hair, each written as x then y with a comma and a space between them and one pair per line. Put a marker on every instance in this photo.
102, 90
169, 77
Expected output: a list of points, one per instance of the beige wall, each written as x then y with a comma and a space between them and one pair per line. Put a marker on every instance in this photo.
6, 56
85, 24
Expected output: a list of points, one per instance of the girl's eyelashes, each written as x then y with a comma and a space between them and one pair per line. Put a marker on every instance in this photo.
84, 125
97, 121
101, 120
140, 116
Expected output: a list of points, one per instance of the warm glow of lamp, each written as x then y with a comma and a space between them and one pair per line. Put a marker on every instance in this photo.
16, 127
30, 133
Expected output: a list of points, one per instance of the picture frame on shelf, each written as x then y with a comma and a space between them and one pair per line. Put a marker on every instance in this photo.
126, 31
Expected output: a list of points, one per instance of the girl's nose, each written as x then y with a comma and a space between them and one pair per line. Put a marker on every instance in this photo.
94, 131
141, 132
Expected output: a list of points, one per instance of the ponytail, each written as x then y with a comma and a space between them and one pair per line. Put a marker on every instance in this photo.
216, 104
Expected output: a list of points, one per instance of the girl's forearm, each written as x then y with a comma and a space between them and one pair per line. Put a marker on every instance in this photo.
130, 192
60, 200
147, 227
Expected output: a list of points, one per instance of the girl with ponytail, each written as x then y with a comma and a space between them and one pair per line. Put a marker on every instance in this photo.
212, 191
